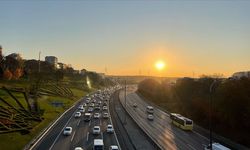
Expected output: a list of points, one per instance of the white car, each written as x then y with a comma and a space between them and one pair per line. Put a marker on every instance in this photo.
96, 115
78, 148
92, 105
110, 129
104, 108
105, 115
84, 105
67, 131
80, 107
77, 114
113, 147
96, 130
150, 117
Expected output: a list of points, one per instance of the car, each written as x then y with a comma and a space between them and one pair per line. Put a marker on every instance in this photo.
105, 115
67, 131
77, 114
105, 104
92, 105
90, 109
104, 108
97, 108
80, 107
96, 115
96, 130
84, 105
87, 101
78, 148
110, 129
82, 110
134, 105
113, 147
150, 117
150, 109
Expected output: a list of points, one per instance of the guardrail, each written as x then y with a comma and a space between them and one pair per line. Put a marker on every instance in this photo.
141, 126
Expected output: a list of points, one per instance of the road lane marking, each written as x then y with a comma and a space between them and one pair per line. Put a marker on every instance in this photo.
72, 136
89, 122
102, 135
62, 130
78, 122
191, 146
88, 136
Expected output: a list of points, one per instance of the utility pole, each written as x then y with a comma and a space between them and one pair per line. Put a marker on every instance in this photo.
125, 98
210, 114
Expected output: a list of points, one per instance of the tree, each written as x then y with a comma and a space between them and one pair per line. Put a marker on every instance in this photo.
17, 73
7, 74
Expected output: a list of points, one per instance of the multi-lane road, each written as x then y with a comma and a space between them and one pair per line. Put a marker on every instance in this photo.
160, 129
82, 135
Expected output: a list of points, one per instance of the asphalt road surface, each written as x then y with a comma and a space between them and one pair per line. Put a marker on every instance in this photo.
81, 135
160, 129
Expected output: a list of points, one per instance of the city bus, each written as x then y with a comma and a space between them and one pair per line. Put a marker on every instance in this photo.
181, 122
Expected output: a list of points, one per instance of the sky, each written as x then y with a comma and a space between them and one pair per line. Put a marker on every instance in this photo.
192, 37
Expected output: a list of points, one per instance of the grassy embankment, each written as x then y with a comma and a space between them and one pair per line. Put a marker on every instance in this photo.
16, 141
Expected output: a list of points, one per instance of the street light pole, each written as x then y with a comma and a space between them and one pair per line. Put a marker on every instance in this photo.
210, 114
125, 98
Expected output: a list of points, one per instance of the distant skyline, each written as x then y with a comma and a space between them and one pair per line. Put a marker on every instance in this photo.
128, 37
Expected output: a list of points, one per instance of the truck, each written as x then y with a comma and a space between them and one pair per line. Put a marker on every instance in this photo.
98, 144
216, 146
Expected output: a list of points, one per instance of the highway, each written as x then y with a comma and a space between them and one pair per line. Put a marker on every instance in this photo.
166, 135
81, 135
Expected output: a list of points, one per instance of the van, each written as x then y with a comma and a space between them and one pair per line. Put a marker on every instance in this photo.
98, 144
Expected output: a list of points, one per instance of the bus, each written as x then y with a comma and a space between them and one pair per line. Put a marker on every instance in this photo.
181, 122
98, 144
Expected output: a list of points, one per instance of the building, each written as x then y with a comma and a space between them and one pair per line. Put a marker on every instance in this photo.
239, 75
52, 60
16, 56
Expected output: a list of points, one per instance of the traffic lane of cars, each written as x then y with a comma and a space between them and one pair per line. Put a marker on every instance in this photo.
163, 119
181, 138
82, 131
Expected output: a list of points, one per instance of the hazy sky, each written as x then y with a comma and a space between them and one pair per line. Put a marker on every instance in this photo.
128, 37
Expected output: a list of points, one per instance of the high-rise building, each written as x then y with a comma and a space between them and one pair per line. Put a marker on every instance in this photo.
52, 60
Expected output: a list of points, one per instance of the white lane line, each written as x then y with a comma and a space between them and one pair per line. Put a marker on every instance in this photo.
201, 135
88, 136
61, 131
191, 146
52, 125
89, 122
78, 123
72, 136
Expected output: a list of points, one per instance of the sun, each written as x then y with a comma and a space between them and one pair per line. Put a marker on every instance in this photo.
159, 65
